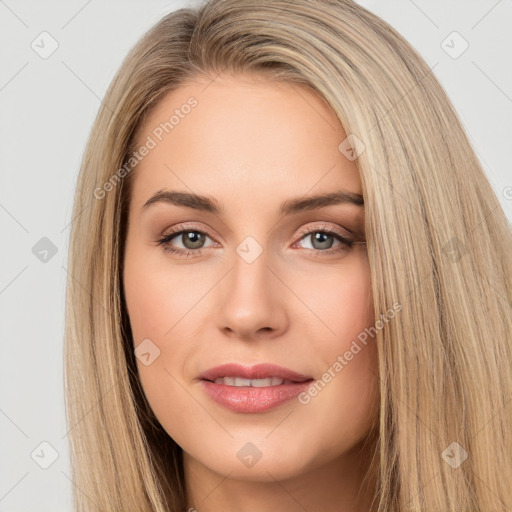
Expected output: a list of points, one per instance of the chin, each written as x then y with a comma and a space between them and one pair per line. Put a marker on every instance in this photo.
262, 460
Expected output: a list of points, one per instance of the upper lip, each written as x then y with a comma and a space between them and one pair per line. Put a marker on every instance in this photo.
258, 371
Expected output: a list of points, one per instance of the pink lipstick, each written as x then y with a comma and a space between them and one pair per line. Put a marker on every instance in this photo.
252, 389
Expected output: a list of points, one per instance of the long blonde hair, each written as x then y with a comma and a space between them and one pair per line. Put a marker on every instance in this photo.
438, 243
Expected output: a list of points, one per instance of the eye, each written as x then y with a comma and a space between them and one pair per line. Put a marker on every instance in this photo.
322, 239
192, 239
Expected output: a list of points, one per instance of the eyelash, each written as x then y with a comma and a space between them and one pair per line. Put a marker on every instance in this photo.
345, 242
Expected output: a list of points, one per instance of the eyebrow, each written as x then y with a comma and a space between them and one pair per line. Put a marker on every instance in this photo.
290, 206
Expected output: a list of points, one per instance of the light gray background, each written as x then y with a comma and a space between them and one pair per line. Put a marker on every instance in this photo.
47, 109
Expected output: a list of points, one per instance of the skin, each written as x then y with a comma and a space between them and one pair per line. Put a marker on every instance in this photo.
252, 144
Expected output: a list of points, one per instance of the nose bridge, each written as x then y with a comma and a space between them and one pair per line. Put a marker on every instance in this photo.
250, 251
247, 300
250, 272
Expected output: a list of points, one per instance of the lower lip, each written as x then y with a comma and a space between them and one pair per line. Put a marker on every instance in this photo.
251, 400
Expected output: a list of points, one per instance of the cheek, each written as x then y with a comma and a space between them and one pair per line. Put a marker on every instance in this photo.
158, 298
161, 305
344, 342
339, 300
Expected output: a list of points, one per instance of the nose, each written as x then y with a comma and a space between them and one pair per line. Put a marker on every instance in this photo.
251, 301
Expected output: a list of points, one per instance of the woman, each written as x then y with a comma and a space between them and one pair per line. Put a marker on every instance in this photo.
290, 276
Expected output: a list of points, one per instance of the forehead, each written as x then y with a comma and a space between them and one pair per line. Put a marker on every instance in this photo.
233, 133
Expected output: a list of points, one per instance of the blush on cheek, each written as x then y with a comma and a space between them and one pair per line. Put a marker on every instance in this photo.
342, 304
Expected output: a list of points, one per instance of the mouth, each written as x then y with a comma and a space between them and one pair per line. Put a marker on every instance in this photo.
255, 383
253, 389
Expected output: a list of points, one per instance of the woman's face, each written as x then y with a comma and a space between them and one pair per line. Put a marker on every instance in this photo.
260, 275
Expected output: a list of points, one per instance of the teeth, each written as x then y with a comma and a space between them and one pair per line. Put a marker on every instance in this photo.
255, 383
